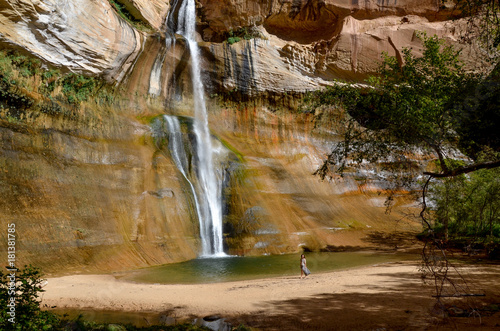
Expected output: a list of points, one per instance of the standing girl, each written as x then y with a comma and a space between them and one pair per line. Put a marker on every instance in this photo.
304, 272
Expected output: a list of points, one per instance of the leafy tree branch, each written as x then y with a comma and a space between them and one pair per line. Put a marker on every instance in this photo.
427, 104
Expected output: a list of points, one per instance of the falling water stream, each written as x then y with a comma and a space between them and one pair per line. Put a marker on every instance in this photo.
208, 188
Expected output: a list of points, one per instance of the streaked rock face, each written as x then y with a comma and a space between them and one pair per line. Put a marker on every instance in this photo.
279, 199
303, 44
307, 21
83, 36
100, 195
92, 193
257, 66
356, 51
353, 53
307, 44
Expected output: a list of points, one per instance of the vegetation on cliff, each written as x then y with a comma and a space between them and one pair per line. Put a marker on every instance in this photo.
31, 93
242, 33
27, 74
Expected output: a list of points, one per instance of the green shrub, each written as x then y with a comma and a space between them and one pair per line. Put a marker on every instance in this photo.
242, 33
78, 88
232, 40
73, 88
26, 313
466, 207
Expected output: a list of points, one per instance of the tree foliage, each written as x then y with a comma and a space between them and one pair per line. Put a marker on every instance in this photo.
468, 207
26, 307
424, 118
427, 116
427, 103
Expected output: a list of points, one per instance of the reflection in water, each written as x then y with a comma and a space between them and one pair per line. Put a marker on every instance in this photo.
231, 268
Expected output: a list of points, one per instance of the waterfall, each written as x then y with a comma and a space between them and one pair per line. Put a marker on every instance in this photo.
209, 188
178, 153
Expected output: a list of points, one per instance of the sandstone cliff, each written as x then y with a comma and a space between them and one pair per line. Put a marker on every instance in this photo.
92, 191
299, 45
306, 44
84, 36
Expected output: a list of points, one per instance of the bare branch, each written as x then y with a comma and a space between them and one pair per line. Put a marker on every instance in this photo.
464, 170
424, 204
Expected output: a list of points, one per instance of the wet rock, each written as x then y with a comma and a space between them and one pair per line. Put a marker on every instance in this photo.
211, 318
213, 322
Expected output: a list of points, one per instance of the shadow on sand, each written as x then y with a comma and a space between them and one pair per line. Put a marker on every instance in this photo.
406, 306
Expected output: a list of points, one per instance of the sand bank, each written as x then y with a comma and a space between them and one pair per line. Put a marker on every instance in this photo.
389, 295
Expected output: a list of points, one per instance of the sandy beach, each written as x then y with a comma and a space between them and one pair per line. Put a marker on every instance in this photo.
385, 296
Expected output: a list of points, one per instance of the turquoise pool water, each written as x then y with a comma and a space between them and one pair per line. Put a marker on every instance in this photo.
233, 268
